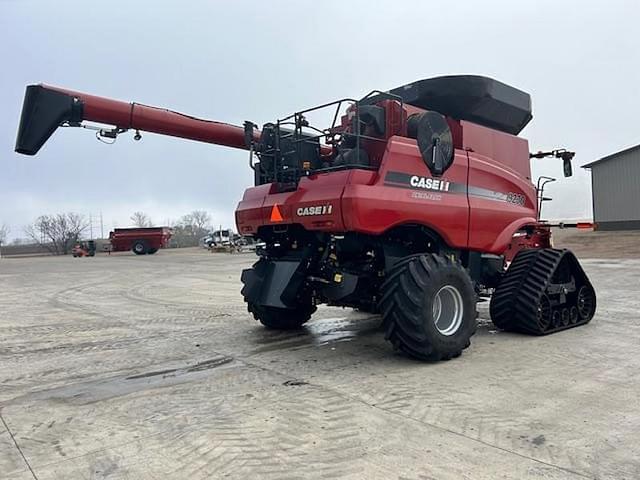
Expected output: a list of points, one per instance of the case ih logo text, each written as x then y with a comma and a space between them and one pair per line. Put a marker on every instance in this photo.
429, 183
314, 210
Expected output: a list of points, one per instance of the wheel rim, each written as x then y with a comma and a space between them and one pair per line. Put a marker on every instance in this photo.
448, 310
139, 247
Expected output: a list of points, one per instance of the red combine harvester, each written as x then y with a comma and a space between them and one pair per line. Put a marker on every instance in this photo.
140, 241
414, 203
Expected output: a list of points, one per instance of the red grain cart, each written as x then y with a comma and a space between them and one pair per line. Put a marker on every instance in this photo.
139, 240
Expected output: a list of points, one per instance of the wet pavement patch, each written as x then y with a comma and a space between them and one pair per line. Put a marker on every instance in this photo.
94, 391
321, 332
206, 365
295, 383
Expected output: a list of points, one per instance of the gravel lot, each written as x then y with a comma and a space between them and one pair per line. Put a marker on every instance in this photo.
149, 367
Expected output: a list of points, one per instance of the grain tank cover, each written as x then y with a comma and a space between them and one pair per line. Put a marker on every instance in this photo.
474, 98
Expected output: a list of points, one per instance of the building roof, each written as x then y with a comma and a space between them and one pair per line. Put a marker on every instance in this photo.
613, 155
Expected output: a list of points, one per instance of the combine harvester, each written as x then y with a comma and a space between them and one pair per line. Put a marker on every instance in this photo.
413, 203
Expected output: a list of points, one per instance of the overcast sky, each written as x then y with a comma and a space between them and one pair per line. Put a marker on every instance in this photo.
240, 60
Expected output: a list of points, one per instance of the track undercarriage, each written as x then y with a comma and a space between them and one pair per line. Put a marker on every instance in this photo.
543, 291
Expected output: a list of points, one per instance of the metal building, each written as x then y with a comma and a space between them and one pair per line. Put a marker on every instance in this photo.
615, 185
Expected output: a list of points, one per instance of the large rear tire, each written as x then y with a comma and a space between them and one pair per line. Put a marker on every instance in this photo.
281, 318
428, 306
151, 251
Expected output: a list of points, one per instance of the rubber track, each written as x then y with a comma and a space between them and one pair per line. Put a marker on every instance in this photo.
514, 304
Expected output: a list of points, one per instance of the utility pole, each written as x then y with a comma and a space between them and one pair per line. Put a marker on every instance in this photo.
90, 227
101, 226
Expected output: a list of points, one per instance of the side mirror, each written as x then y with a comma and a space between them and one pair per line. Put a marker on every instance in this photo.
561, 153
566, 165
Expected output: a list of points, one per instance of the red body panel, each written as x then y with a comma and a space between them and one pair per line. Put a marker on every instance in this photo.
498, 162
506, 150
538, 237
383, 205
122, 239
485, 203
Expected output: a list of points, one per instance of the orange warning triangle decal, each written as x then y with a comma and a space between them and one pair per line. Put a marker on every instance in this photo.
276, 216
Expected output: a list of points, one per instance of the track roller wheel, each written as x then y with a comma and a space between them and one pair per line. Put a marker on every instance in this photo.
428, 305
573, 314
281, 318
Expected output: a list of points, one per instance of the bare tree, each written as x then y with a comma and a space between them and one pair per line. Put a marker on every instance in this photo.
190, 228
199, 219
57, 233
141, 220
4, 233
